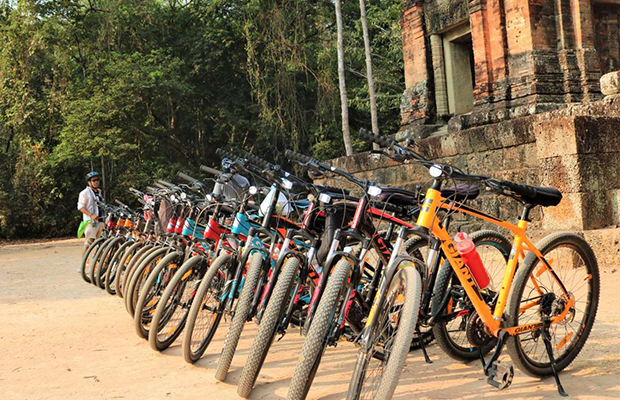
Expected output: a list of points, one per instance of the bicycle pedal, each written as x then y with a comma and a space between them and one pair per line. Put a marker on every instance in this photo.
504, 374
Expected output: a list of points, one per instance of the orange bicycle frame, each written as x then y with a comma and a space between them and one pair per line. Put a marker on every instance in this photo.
492, 318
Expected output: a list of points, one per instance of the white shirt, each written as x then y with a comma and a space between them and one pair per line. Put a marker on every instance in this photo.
87, 199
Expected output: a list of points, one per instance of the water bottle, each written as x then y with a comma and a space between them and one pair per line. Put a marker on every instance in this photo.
467, 249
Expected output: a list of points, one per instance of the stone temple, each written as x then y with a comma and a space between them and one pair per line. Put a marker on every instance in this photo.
522, 90
481, 61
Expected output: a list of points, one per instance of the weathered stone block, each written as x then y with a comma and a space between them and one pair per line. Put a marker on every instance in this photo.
578, 211
610, 83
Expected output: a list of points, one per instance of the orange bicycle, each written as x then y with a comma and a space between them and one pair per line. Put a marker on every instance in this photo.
546, 319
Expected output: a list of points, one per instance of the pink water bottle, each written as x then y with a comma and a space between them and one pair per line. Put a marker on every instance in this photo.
467, 249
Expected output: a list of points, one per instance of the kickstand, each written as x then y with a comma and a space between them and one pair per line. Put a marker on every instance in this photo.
549, 348
422, 346
481, 356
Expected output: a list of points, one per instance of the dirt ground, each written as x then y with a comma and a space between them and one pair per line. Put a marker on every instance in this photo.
64, 339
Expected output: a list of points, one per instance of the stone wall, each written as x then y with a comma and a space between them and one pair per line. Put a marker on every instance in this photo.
575, 149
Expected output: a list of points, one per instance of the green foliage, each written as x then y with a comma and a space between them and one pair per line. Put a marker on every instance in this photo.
138, 89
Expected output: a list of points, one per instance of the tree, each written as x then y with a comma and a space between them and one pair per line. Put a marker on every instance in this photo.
346, 135
371, 82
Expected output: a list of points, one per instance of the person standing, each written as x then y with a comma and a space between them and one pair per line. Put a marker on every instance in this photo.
87, 205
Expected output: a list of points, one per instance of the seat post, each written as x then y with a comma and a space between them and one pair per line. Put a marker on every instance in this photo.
525, 215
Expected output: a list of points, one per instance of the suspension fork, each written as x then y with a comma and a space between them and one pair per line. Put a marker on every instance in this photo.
264, 276
386, 280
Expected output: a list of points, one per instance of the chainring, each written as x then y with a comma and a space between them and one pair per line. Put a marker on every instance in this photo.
477, 333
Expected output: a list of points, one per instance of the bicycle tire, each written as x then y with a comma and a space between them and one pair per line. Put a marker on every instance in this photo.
242, 312
150, 294
175, 294
448, 340
140, 274
87, 261
106, 257
581, 329
110, 278
126, 259
316, 340
407, 280
414, 247
268, 327
97, 259
135, 262
214, 316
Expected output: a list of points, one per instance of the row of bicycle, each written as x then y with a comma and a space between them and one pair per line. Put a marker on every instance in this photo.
375, 266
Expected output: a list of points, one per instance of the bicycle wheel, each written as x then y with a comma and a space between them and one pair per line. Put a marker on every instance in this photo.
206, 311
106, 259
459, 336
173, 307
267, 329
109, 282
135, 262
536, 292
417, 247
322, 324
378, 367
88, 261
140, 275
125, 261
100, 260
151, 291
97, 260
242, 312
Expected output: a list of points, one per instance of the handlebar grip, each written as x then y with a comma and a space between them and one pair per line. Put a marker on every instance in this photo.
380, 140
159, 185
142, 202
120, 203
135, 191
291, 155
165, 183
379, 205
151, 189
210, 170
257, 160
186, 177
225, 154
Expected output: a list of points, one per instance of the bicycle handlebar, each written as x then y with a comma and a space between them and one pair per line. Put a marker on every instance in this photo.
210, 170
258, 161
380, 140
165, 183
308, 161
120, 203
187, 177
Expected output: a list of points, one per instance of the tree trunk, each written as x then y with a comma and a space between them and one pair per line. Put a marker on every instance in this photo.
374, 120
343, 87
103, 177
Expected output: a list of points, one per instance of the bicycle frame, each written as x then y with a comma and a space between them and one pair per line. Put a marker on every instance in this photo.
428, 220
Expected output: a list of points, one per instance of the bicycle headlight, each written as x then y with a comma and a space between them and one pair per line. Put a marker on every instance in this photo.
435, 171
374, 191
325, 198
288, 185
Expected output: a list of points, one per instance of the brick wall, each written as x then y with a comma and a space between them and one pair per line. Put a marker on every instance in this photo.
607, 27
530, 56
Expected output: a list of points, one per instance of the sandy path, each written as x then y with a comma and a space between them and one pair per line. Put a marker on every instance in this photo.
64, 339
